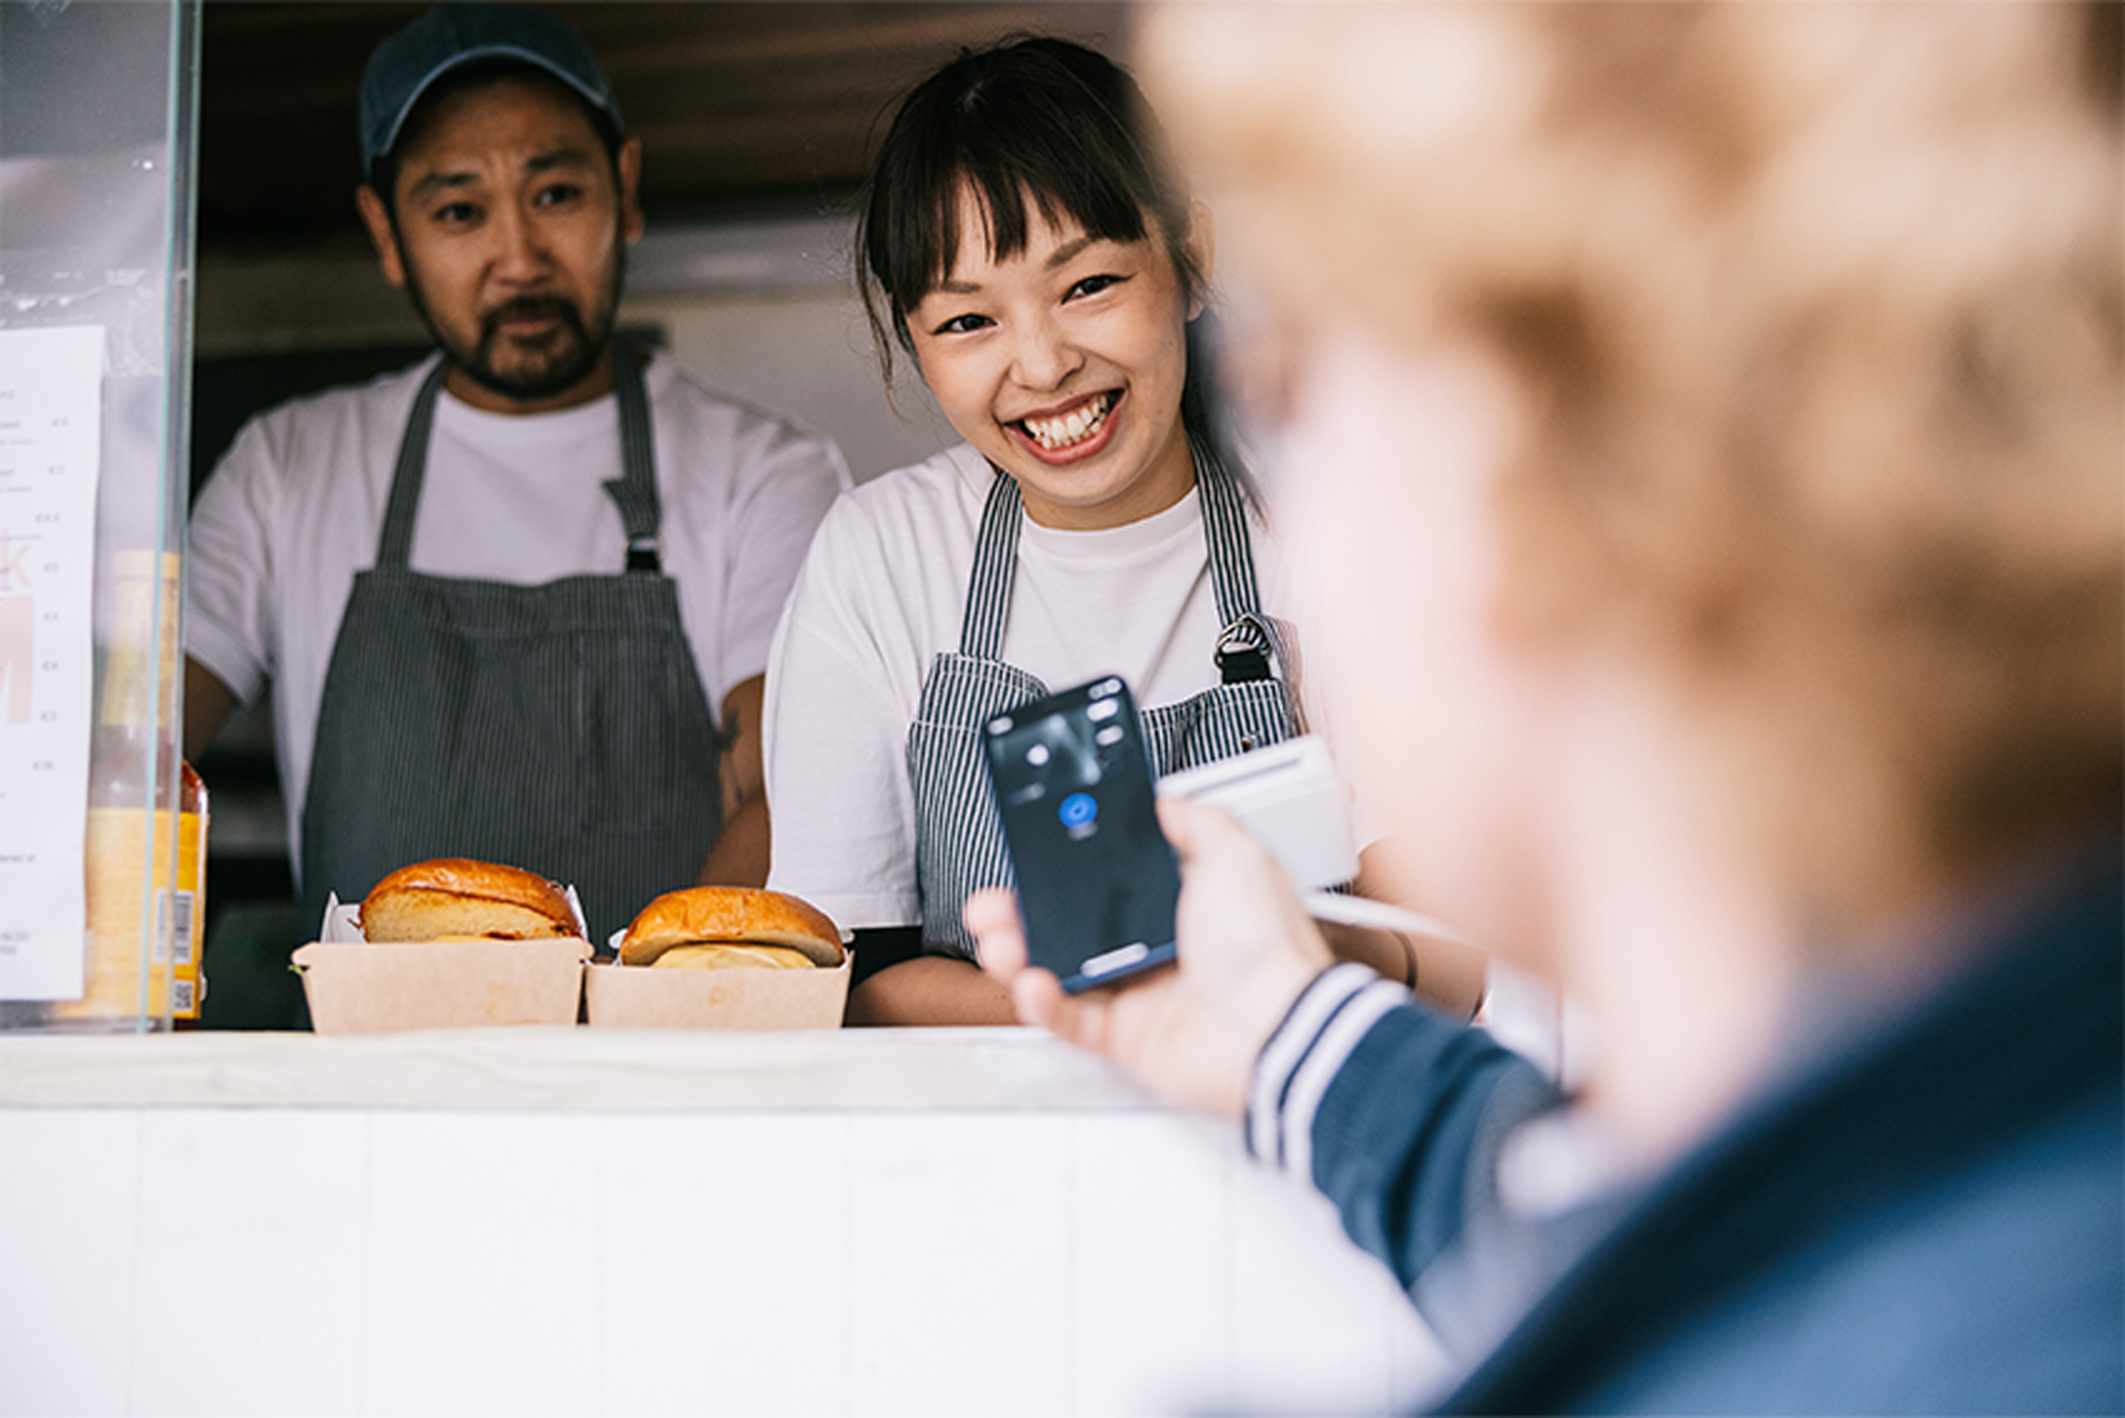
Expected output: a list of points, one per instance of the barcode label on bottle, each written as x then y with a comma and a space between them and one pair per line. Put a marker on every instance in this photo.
181, 996
181, 930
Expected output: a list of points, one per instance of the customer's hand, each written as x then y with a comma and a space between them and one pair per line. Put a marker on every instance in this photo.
1190, 1032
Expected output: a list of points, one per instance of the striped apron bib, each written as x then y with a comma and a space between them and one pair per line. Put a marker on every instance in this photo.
959, 842
561, 727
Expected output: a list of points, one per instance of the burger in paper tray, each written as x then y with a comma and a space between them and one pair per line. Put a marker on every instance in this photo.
723, 957
448, 944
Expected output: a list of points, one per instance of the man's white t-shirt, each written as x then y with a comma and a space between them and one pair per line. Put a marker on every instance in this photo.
884, 590
295, 508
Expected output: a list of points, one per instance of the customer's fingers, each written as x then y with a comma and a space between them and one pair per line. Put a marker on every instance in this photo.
991, 917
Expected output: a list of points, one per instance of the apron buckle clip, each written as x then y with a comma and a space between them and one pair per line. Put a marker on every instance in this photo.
1243, 652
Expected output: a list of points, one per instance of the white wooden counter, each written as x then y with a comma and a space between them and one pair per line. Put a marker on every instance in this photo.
591, 1221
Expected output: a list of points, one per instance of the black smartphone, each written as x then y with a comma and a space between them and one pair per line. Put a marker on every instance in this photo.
1097, 883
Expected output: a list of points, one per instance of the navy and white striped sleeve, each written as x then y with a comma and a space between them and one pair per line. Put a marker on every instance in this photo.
1308, 1048
1390, 1109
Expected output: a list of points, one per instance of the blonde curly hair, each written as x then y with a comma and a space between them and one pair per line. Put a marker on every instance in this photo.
1815, 312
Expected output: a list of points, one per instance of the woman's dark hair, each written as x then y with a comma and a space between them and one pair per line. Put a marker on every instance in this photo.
1036, 122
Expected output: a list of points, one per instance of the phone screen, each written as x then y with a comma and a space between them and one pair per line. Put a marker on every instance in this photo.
1097, 883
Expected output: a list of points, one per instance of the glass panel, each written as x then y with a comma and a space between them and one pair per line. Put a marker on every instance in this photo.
97, 105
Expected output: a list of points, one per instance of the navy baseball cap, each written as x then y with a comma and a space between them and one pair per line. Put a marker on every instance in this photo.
448, 36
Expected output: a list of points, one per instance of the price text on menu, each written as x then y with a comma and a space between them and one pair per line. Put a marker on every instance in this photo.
51, 383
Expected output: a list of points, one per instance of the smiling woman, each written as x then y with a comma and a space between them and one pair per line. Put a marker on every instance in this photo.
1062, 364
1027, 241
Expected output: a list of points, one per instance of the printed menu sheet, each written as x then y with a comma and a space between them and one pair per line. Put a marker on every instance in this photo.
51, 400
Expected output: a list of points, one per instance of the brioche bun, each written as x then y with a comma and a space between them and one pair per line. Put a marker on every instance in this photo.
453, 898
731, 915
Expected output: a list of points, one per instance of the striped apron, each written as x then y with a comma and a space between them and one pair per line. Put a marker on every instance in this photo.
561, 728
959, 842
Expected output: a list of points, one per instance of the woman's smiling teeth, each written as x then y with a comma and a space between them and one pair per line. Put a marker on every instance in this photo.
1055, 434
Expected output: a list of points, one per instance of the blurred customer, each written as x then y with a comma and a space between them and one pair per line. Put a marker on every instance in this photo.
1703, 433
501, 595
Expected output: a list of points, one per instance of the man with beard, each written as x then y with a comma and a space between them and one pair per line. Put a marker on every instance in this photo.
498, 593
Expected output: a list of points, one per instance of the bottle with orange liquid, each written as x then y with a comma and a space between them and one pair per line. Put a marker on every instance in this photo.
144, 865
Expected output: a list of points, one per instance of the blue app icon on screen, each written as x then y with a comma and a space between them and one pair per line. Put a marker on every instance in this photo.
1078, 810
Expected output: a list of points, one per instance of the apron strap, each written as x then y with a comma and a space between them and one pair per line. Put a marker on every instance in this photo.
396, 543
634, 492
1244, 645
995, 569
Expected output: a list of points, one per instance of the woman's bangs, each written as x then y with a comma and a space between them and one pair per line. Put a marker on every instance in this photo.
1093, 195
1008, 189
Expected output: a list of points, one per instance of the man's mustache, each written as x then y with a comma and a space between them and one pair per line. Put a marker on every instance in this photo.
531, 307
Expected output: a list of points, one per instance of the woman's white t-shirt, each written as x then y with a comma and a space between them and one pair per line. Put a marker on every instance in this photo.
884, 590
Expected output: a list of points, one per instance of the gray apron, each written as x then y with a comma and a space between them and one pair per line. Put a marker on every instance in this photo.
959, 843
561, 728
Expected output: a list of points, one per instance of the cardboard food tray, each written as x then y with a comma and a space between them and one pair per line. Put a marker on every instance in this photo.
357, 988
641, 997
